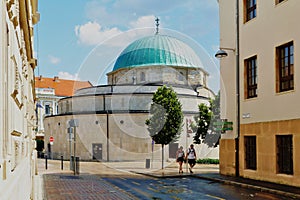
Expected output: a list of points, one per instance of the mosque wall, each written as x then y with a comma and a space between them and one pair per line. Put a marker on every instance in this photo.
190, 104
158, 74
91, 128
121, 102
124, 136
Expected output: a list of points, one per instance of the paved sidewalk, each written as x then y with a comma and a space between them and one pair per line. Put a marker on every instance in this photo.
279, 189
55, 183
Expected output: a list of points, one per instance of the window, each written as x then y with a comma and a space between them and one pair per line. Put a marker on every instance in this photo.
285, 67
251, 77
250, 9
143, 77
278, 1
47, 109
284, 154
250, 152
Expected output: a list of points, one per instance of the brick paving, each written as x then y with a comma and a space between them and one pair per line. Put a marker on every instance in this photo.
83, 187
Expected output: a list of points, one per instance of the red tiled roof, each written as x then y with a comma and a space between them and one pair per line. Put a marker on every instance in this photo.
62, 87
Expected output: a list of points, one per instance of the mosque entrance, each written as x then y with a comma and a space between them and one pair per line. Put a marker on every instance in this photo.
97, 151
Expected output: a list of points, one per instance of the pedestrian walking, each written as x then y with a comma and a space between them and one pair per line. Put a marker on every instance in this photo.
180, 158
191, 157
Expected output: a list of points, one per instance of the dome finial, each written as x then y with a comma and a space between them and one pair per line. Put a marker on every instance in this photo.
157, 24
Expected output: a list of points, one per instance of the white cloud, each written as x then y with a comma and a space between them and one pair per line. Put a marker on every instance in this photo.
92, 33
68, 76
54, 60
142, 22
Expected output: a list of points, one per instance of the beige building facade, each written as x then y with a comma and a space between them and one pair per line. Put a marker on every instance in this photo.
269, 136
17, 99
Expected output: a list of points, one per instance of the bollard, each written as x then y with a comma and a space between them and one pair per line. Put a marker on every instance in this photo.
62, 162
72, 163
77, 165
46, 161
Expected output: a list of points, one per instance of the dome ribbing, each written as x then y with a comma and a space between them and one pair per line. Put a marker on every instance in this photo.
157, 50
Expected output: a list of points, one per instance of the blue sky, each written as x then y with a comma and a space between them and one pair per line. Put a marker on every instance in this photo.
80, 39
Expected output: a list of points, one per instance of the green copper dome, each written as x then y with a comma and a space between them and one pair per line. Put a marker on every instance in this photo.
157, 50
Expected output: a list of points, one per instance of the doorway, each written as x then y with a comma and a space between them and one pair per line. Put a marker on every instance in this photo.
97, 151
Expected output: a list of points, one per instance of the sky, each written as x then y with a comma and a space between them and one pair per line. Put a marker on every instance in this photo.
81, 39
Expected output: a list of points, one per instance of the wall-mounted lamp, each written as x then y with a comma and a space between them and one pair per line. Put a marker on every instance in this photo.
221, 53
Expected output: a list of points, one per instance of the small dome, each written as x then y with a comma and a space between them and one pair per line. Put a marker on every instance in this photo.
157, 50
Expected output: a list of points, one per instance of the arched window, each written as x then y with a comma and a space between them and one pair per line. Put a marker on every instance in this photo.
143, 77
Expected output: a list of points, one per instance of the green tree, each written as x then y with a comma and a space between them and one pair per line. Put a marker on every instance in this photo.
208, 114
165, 123
203, 122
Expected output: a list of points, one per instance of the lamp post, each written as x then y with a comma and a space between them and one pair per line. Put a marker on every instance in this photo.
73, 123
221, 53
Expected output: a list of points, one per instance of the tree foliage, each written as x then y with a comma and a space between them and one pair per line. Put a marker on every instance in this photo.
208, 114
203, 122
215, 109
166, 119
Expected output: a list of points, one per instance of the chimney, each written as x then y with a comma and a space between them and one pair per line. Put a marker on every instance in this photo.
55, 79
40, 78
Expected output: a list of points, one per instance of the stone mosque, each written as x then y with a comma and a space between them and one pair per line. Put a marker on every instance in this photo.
111, 118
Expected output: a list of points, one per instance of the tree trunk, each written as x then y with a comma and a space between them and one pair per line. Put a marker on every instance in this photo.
162, 156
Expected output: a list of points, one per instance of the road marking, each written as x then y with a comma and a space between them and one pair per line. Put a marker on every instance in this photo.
150, 188
135, 183
215, 197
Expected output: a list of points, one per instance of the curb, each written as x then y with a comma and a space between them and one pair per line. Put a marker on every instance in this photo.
162, 176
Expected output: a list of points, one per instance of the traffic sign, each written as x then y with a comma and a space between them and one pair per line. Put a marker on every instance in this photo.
51, 139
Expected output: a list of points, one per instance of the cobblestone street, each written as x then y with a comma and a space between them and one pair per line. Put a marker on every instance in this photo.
66, 187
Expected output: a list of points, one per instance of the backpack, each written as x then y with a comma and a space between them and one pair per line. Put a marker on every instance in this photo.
192, 151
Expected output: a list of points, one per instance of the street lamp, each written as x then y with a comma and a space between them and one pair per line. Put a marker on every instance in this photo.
73, 123
221, 53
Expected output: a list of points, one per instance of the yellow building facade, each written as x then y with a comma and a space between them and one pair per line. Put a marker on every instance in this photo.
263, 47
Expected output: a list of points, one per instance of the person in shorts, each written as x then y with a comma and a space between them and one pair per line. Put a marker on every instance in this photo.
191, 157
180, 158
